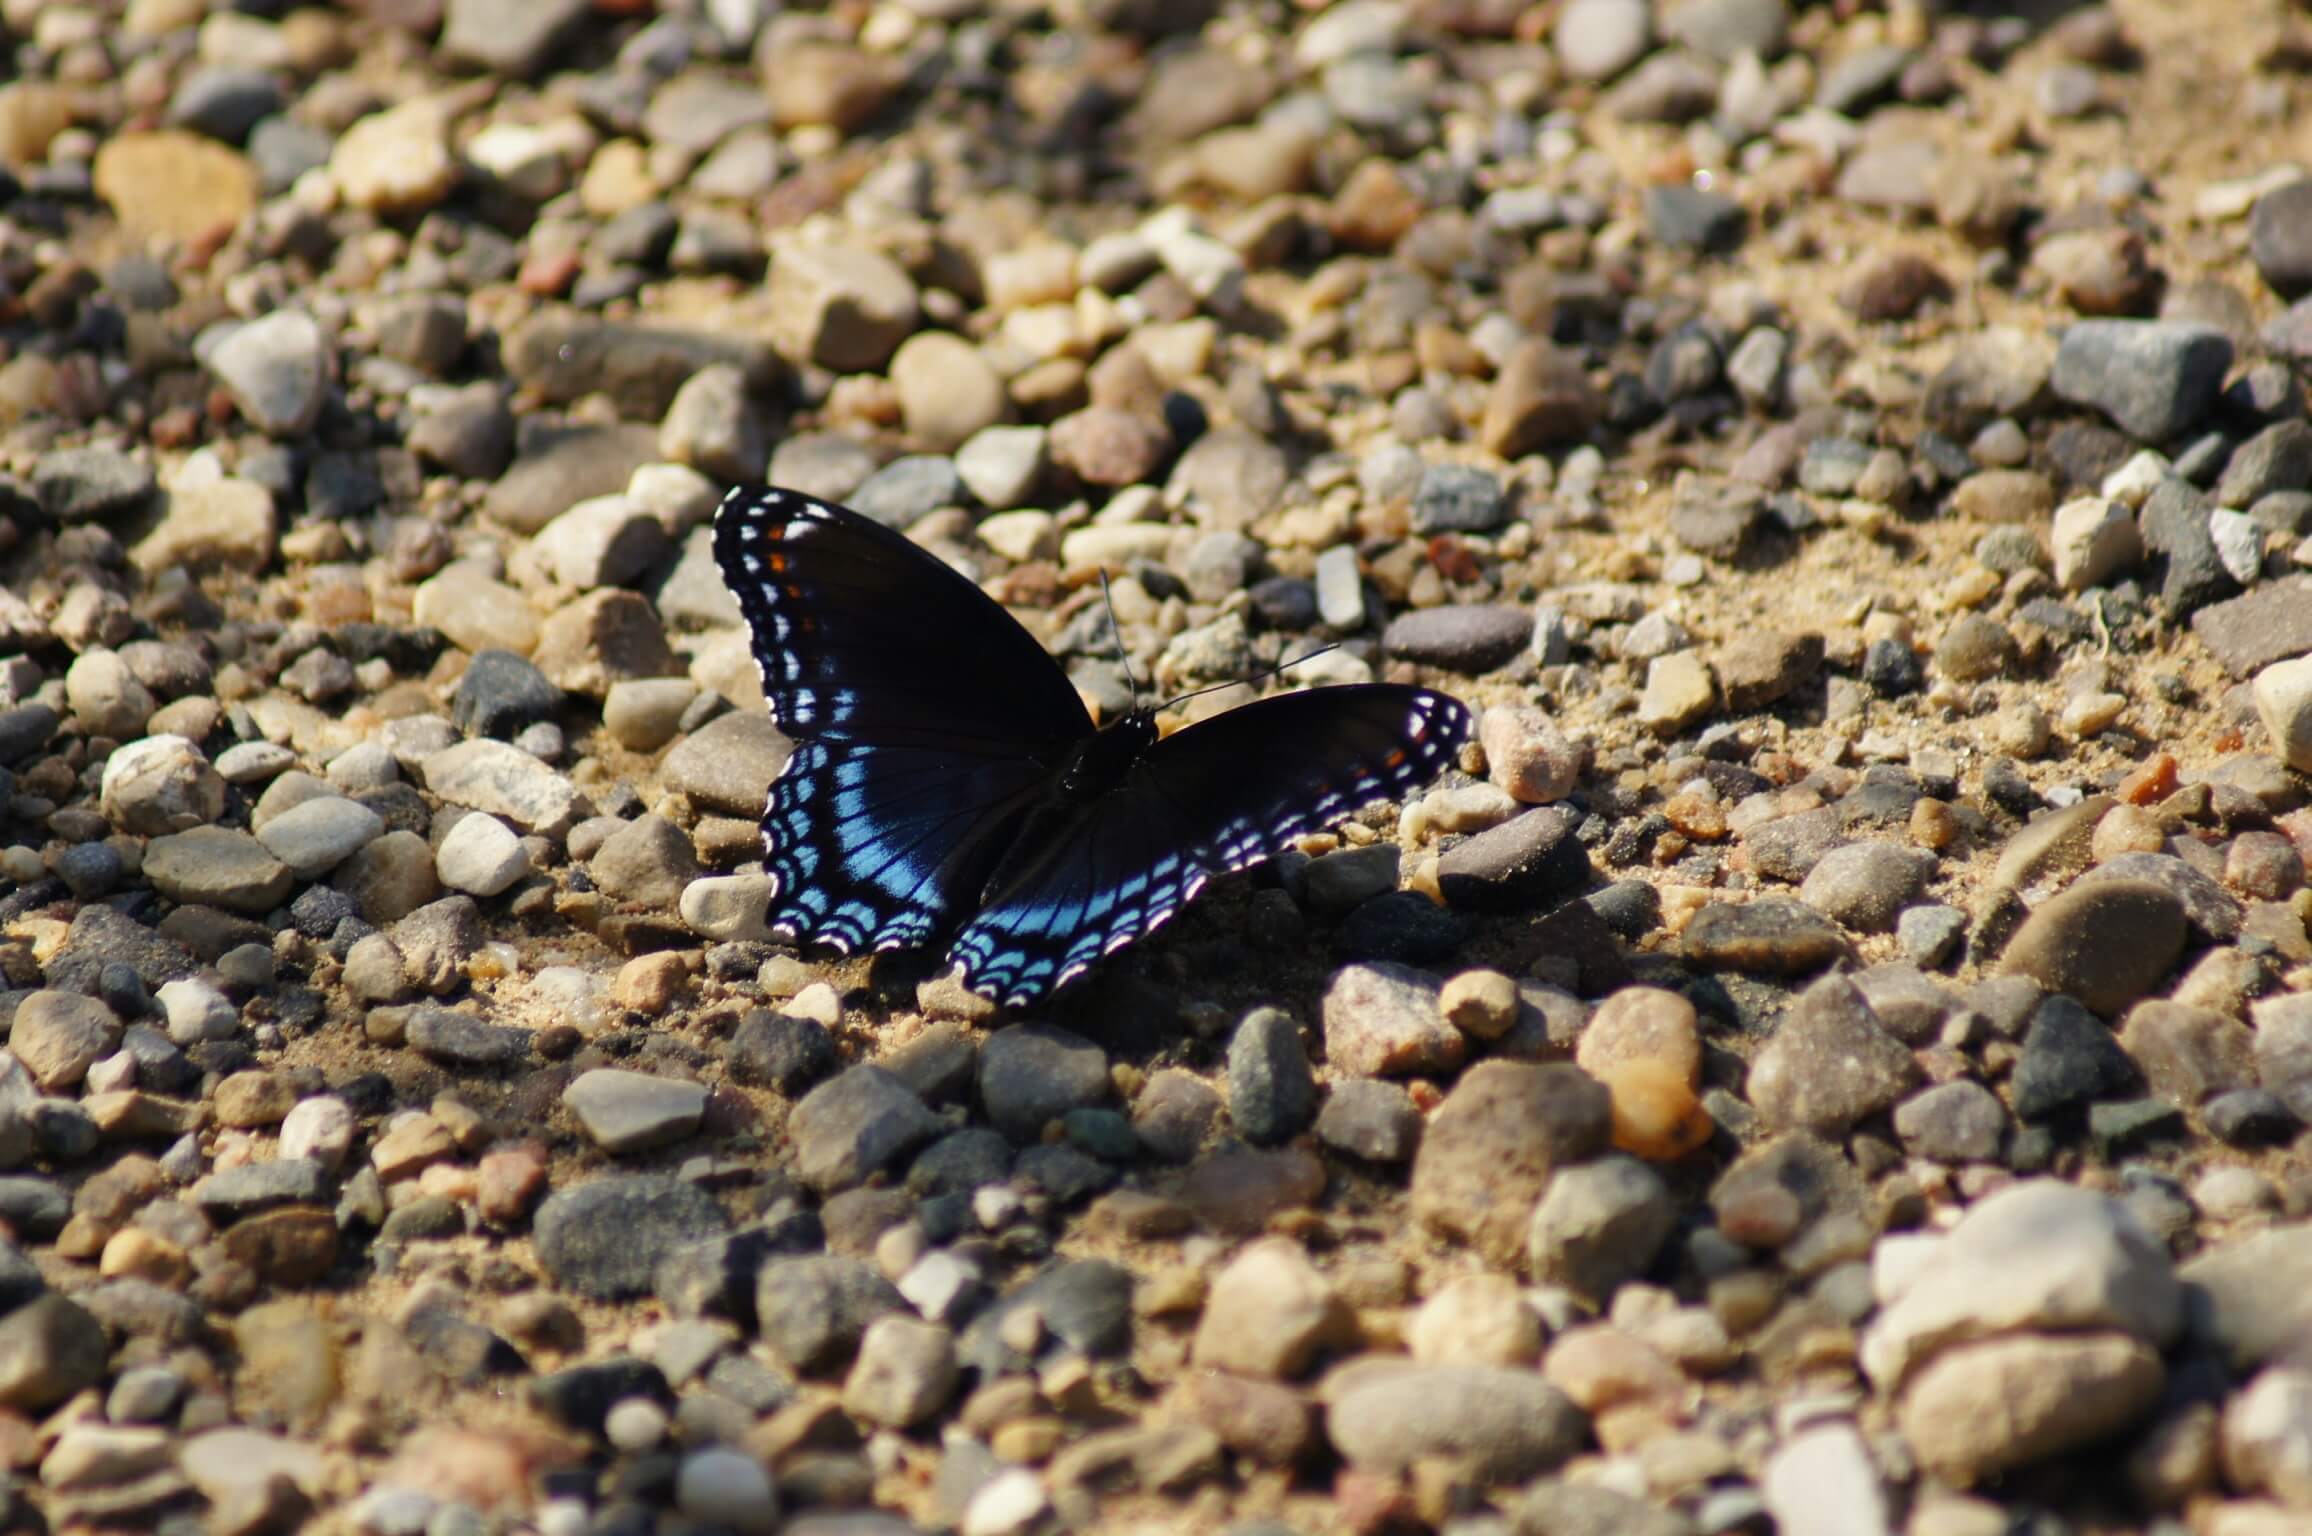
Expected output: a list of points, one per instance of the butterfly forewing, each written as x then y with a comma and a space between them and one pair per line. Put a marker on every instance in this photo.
861, 633
1218, 796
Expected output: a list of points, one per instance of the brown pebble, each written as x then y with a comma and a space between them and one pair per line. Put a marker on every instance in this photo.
649, 984
511, 1178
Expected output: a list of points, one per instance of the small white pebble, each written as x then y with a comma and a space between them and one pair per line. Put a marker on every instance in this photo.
635, 1424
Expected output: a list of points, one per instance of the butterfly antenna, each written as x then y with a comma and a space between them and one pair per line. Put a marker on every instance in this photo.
1262, 677
1123, 657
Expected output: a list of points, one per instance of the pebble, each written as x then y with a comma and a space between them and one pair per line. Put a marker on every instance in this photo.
1542, 397
2283, 693
171, 184
277, 370
855, 1124
1491, 1147
1821, 1481
2154, 379
1269, 1313
1384, 1019
160, 784
605, 1238
316, 836
1866, 885
1528, 755
1598, 1225
481, 856
2106, 944
906, 1372
1272, 1093
1679, 691
1504, 1425
626, 1111
1829, 1063
1985, 1407
1372, 1120
814, 1309
2036, 1255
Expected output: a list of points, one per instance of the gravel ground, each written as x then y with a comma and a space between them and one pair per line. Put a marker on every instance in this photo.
1828, 1060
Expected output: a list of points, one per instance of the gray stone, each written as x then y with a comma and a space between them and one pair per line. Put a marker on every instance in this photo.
605, 1239
1272, 1093
2155, 379
1033, 1074
855, 1124
1599, 1224
1504, 1426
634, 1111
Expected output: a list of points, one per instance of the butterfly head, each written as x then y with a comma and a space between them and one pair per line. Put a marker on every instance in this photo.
1100, 761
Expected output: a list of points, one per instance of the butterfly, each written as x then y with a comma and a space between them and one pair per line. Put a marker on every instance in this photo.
946, 785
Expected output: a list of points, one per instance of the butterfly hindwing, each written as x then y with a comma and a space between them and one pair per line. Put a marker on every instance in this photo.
1218, 796
917, 708
871, 846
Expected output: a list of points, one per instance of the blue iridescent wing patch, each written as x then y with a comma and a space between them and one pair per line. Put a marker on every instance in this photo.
946, 786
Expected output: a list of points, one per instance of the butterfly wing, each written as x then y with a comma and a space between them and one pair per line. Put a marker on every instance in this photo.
923, 718
1221, 795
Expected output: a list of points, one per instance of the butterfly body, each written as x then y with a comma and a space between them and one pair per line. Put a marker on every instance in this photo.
947, 787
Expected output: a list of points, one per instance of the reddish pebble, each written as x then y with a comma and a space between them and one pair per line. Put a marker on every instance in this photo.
511, 1178
2264, 865
2151, 782
548, 275
1765, 1217
1367, 1502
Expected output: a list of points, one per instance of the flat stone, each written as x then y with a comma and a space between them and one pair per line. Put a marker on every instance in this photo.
2106, 944
727, 764
1528, 862
503, 780
1770, 935
1033, 1074
457, 1038
2270, 623
1866, 885
1505, 1426
605, 1238
634, 1111
562, 356
1985, 1407
2038, 1255
2153, 378
218, 867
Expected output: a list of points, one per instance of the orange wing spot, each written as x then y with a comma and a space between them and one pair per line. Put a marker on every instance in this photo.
776, 562
1395, 759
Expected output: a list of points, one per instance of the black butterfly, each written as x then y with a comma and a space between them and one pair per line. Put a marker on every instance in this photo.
947, 786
